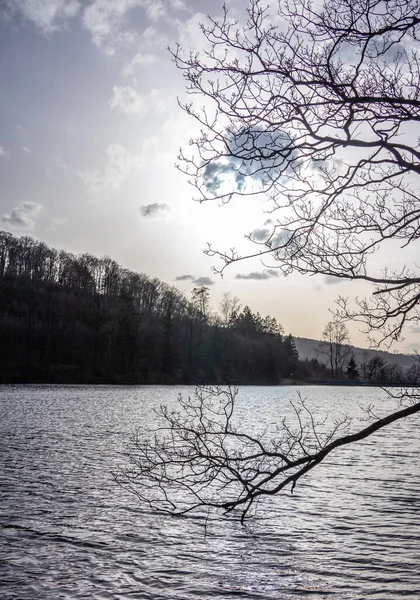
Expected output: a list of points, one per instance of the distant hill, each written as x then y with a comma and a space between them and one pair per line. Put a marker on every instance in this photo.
309, 349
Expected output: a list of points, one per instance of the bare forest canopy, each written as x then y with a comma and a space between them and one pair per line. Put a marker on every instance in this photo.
67, 318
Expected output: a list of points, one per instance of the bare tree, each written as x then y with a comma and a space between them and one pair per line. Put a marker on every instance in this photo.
229, 306
198, 460
335, 346
318, 110
201, 301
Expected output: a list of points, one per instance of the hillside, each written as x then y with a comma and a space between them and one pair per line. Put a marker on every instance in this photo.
309, 349
84, 319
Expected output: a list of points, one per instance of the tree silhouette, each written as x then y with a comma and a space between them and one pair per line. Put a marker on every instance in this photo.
76, 319
317, 110
352, 370
198, 459
335, 346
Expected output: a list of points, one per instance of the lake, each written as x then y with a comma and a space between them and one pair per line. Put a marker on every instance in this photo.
350, 530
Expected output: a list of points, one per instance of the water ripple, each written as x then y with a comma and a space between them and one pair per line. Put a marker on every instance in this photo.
350, 532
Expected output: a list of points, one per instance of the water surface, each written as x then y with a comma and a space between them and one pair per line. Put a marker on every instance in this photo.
351, 530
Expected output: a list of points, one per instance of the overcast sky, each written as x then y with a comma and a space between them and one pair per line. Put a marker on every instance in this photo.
89, 133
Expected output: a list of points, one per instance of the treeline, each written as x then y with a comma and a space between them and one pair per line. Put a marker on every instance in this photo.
375, 370
370, 367
67, 318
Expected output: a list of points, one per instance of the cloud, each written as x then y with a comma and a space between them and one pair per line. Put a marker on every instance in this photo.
213, 175
150, 42
154, 210
257, 156
192, 40
141, 60
153, 38
47, 15
56, 223
23, 216
178, 4
268, 236
330, 280
203, 281
155, 10
3, 152
260, 235
185, 278
114, 173
259, 275
117, 166
195, 280
190, 36
106, 21
281, 238
126, 100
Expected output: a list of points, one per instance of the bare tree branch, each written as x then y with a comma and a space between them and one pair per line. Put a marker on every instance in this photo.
197, 459
318, 110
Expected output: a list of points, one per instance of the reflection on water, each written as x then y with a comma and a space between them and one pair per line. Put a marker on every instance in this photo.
352, 530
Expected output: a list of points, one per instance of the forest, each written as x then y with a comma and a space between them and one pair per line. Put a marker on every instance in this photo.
83, 319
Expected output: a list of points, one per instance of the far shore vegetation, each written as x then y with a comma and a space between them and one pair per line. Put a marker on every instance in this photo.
83, 319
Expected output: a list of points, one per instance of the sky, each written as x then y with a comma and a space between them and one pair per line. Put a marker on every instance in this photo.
90, 129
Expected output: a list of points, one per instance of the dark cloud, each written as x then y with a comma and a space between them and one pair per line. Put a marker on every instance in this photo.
277, 239
212, 175
203, 281
259, 275
154, 210
195, 280
281, 237
257, 156
185, 278
330, 280
261, 235
23, 216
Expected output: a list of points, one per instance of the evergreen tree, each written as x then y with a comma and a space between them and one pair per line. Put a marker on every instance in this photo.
352, 370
